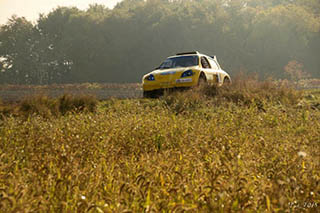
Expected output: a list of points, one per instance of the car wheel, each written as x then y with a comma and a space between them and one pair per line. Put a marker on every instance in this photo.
226, 81
147, 94
150, 94
202, 80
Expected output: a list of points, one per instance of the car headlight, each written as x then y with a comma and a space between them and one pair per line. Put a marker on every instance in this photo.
187, 73
150, 77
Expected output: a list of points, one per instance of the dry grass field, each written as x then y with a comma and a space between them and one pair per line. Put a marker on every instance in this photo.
250, 147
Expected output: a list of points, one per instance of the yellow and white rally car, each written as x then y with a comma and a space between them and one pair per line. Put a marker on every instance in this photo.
184, 70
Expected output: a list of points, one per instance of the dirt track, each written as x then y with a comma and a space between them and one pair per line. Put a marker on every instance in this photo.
12, 93
16, 94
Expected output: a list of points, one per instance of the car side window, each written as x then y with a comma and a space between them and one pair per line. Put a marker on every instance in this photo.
205, 63
214, 64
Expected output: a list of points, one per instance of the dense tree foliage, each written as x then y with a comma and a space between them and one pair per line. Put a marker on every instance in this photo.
120, 45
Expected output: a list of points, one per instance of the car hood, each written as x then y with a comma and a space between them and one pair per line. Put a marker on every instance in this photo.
172, 71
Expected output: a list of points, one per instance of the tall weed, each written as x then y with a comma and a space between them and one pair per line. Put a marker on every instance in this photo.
77, 103
181, 102
244, 91
138, 156
247, 90
40, 105
44, 106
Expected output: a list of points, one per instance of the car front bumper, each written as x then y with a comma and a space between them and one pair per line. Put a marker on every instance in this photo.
170, 83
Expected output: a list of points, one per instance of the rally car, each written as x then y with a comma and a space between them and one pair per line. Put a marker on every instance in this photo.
184, 70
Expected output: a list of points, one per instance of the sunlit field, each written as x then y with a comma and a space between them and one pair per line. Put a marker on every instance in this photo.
249, 147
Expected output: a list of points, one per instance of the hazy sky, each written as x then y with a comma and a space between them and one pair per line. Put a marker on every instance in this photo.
31, 8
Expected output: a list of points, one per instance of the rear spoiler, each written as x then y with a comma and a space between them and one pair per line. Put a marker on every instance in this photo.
188, 53
214, 57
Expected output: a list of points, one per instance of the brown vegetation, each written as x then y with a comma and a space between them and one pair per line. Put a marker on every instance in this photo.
48, 107
250, 147
244, 91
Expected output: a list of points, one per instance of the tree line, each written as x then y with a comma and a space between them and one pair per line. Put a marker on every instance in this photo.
98, 44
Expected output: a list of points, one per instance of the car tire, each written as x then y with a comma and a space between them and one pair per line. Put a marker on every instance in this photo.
202, 80
146, 94
151, 94
226, 81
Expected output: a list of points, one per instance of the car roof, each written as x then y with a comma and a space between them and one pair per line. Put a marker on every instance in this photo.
192, 54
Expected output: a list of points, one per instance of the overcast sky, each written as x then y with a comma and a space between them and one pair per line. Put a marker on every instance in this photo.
31, 8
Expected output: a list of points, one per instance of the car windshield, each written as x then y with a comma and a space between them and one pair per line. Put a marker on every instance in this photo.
181, 61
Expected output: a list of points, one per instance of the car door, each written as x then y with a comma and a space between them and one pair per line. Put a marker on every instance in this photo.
211, 69
206, 68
